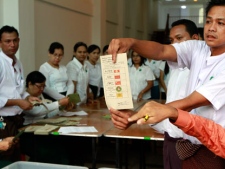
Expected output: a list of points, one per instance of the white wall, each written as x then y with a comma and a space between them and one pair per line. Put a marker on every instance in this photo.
59, 23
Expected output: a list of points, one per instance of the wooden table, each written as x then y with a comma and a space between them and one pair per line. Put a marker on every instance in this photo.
96, 112
143, 132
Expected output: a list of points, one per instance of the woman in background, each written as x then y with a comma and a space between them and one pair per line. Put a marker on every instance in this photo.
35, 84
57, 82
78, 72
141, 78
95, 73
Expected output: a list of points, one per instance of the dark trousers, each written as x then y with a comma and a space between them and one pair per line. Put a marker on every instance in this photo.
170, 157
203, 159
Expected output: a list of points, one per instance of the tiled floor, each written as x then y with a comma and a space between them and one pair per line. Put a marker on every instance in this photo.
130, 149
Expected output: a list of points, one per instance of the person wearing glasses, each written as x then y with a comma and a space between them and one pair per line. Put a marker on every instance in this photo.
57, 82
35, 85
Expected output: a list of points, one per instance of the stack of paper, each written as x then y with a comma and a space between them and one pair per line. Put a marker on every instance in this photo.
45, 130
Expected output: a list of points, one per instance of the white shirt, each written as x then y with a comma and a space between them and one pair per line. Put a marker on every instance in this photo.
139, 80
95, 73
79, 73
12, 85
40, 112
155, 67
57, 81
177, 83
176, 90
207, 77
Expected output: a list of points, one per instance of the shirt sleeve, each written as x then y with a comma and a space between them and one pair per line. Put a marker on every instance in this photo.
41, 110
212, 135
72, 72
51, 92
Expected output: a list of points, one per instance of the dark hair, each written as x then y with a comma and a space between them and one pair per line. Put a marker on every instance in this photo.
78, 44
35, 77
55, 45
105, 48
213, 3
91, 48
8, 29
143, 60
191, 27
166, 69
201, 32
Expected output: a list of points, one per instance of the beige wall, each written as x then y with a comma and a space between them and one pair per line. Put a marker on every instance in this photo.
41, 22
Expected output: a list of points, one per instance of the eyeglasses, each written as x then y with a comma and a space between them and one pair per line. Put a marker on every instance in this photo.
40, 86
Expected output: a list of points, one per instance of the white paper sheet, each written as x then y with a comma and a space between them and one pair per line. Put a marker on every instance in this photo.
116, 82
78, 113
87, 129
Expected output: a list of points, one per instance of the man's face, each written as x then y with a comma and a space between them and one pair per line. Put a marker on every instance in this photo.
179, 34
9, 43
214, 29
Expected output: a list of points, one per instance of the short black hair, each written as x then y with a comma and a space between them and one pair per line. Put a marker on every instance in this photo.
55, 45
78, 44
213, 3
191, 27
35, 77
91, 48
8, 29
105, 48
143, 60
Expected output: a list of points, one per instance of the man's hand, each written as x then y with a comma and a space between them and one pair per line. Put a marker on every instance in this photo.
153, 112
24, 104
120, 118
119, 46
6, 143
32, 99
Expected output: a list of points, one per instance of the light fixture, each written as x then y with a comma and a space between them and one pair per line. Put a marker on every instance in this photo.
183, 7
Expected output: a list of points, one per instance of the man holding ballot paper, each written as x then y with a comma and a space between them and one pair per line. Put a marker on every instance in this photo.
205, 90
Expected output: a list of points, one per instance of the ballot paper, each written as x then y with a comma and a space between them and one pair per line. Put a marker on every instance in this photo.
78, 113
116, 82
87, 129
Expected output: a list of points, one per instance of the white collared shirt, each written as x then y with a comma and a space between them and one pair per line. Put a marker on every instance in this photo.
155, 67
12, 85
207, 77
95, 73
57, 81
139, 80
79, 73
40, 112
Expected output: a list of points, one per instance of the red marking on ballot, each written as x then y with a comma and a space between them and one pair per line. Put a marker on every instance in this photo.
118, 82
117, 76
116, 71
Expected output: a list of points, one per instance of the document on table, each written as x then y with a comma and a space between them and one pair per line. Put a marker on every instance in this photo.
116, 82
78, 113
87, 129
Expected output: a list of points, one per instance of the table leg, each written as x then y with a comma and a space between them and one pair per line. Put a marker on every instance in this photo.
94, 153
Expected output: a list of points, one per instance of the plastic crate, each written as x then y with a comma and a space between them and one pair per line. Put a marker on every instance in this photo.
35, 165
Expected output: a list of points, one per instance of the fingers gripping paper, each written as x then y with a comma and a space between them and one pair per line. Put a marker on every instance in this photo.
116, 82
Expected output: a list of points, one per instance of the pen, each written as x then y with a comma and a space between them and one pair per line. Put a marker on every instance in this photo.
55, 133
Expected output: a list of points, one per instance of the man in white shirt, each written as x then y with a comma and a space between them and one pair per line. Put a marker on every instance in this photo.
182, 30
205, 88
13, 99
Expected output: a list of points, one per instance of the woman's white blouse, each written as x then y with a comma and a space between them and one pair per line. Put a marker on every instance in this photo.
57, 81
40, 112
139, 79
79, 73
